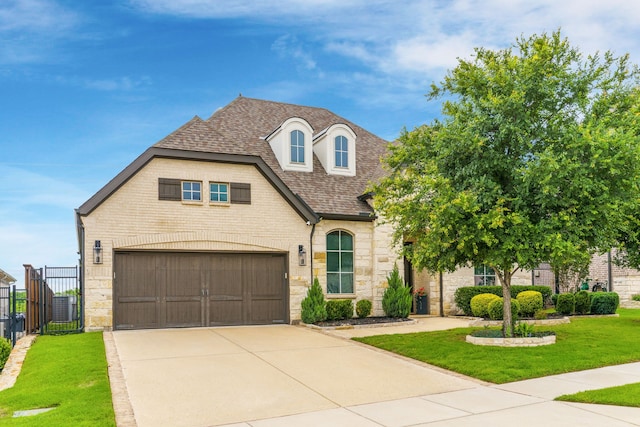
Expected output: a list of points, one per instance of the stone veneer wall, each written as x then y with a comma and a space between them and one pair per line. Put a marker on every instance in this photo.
626, 281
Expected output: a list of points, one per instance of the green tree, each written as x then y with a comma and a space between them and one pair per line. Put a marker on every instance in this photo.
396, 300
536, 159
313, 305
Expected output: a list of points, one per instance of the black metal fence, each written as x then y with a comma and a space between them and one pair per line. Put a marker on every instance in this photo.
12, 316
52, 300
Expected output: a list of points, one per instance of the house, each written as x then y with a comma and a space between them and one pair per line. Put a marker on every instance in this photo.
227, 220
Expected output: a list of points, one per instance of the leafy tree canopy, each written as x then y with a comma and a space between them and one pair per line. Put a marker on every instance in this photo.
536, 159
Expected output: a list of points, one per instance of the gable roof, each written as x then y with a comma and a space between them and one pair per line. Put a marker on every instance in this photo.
236, 134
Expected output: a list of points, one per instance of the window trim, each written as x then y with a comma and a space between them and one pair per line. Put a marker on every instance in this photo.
299, 147
228, 193
481, 279
342, 152
182, 191
340, 272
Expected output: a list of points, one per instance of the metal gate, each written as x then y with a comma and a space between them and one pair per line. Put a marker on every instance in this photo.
54, 303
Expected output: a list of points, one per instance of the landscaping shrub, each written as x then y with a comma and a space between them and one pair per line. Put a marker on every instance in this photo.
530, 302
463, 295
339, 309
604, 302
566, 304
635, 297
540, 315
544, 290
554, 299
363, 308
480, 304
5, 351
396, 301
583, 302
313, 305
496, 309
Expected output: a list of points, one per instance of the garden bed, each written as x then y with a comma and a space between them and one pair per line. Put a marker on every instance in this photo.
534, 341
366, 322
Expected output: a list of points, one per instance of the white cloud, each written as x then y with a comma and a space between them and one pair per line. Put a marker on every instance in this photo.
35, 16
289, 46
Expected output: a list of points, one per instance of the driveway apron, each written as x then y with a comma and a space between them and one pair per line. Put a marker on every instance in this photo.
214, 376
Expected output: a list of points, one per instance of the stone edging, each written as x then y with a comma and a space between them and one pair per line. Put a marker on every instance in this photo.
512, 342
370, 325
536, 322
13, 366
119, 395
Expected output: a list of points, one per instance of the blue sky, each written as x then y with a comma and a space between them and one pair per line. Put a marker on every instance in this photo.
86, 86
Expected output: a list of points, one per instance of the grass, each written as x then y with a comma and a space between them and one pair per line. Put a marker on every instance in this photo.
68, 372
624, 395
585, 343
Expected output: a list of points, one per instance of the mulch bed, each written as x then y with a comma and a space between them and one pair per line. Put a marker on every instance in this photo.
365, 321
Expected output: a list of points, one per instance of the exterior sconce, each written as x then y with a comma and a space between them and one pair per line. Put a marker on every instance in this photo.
97, 252
302, 255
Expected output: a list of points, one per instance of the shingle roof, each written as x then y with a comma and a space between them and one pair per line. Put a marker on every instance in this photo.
240, 128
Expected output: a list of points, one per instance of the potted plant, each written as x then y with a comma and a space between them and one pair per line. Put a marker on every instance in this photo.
421, 300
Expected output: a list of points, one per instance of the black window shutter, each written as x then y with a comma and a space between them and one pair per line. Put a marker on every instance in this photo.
169, 189
240, 193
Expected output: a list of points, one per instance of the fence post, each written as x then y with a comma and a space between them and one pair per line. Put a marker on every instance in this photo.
41, 307
14, 318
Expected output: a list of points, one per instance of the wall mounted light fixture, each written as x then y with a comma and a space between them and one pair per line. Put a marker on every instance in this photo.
302, 255
97, 252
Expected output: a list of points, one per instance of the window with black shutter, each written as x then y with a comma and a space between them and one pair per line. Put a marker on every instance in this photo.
240, 193
169, 189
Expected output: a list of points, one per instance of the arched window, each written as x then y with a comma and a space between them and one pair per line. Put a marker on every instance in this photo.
342, 152
339, 262
297, 146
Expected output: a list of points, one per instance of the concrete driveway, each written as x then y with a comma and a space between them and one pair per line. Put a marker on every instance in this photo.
215, 376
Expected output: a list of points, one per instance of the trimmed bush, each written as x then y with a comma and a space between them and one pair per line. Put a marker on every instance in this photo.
463, 295
396, 300
540, 315
313, 305
604, 302
635, 297
583, 302
363, 308
5, 351
530, 302
496, 309
480, 304
554, 299
339, 309
566, 304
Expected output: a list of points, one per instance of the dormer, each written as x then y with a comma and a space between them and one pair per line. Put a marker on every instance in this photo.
292, 143
335, 147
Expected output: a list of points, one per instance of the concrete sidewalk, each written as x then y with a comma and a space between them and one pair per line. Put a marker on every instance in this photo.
293, 376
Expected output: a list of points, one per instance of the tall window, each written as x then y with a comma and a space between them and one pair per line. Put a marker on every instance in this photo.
484, 276
342, 152
297, 147
191, 190
339, 262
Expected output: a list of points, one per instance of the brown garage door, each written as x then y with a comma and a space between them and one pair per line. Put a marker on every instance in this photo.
163, 290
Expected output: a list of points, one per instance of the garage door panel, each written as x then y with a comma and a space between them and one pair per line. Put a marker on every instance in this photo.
226, 312
183, 312
138, 315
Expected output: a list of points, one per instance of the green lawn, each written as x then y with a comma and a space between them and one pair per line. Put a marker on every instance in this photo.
68, 372
624, 395
585, 343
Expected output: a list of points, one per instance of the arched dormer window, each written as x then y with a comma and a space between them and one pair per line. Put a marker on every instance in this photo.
341, 151
339, 262
335, 147
297, 146
291, 143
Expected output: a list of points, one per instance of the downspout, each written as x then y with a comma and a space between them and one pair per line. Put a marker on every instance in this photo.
313, 230
81, 252
441, 296
609, 272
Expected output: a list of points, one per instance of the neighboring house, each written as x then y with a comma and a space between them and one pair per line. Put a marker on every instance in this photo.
227, 220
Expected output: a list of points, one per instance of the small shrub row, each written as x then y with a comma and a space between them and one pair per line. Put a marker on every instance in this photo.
530, 302
635, 297
363, 308
584, 302
492, 306
463, 295
339, 309
480, 304
5, 351
496, 309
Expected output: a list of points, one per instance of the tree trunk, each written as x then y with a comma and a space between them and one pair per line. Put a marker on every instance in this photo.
507, 322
